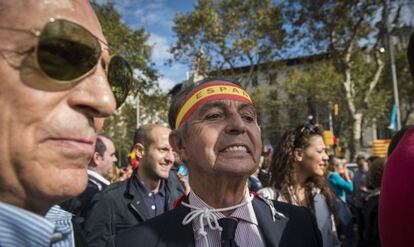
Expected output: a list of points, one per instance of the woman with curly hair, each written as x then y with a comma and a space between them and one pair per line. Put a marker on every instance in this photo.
298, 177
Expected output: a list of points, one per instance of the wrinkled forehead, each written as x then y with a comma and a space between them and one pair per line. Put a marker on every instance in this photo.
226, 105
34, 14
209, 92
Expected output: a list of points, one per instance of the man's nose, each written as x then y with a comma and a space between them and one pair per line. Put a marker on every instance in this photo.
169, 157
325, 156
93, 95
235, 124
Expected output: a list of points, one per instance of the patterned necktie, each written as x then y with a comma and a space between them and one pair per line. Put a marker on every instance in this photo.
229, 226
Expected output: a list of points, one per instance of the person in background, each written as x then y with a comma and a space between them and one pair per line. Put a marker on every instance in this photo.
396, 139
54, 85
264, 173
359, 193
370, 209
147, 193
99, 170
179, 172
298, 177
341, 186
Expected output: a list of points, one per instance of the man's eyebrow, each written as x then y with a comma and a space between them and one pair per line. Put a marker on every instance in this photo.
209, 105
244, 106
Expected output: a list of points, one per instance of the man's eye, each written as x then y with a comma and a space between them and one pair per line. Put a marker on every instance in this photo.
213, 116
248, 118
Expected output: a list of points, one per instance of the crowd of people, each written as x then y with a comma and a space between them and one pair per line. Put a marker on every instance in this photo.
202, 181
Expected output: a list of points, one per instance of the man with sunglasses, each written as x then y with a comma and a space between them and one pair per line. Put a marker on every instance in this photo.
217, 135
56, 78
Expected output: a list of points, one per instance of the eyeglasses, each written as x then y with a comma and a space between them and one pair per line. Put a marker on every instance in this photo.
66, 52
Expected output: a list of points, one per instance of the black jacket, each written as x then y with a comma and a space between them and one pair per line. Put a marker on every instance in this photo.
298, 228
121, 206
80, 205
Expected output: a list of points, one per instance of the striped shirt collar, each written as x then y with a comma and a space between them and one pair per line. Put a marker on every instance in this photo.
19, 227
245, 212
63, 235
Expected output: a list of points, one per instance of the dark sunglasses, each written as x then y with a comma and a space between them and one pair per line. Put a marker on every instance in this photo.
308, 126
67, 52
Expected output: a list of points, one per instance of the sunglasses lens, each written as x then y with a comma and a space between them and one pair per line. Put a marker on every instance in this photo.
67, 51
120, 78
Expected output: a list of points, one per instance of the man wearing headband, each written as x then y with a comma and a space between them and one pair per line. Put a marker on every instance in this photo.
217, 135
397, 189
54, 67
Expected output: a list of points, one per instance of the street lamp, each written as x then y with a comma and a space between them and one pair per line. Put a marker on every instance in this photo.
393, 69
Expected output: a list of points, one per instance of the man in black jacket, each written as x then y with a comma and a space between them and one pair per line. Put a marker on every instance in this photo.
147, 193
218, 138
99, 169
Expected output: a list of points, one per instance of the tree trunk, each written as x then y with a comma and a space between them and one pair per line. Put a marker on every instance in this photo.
356, 134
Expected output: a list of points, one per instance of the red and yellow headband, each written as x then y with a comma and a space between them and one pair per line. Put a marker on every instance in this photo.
218, 90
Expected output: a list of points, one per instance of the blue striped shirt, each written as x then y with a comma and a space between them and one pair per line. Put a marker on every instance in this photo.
19, 227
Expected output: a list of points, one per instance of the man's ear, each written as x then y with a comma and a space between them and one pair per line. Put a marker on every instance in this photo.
97, 158
177, 143
139, 150
298, 154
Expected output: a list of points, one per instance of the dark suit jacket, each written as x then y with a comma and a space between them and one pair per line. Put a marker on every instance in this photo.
298, 228
80, 205
119, 207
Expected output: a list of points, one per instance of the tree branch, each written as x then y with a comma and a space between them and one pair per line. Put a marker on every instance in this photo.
373, 83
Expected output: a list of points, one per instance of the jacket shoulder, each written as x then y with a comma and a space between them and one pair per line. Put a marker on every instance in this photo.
165, 227
301, 223
114, 187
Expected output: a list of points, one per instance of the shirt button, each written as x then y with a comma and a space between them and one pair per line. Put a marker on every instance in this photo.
150, 194
153, 207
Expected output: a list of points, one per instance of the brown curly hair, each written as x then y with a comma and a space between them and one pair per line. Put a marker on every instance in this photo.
283, 166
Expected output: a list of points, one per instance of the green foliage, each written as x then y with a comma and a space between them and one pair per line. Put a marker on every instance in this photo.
230, 33
332, 25
351, 32
129, 43
132, 45
156, 107
121, 128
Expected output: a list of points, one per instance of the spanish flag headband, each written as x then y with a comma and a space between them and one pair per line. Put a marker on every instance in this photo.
216, 90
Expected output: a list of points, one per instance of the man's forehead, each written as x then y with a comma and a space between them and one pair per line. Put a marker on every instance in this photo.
38, 12
224, 104
158, 133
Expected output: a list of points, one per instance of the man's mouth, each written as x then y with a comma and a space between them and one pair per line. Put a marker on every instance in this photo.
236, 148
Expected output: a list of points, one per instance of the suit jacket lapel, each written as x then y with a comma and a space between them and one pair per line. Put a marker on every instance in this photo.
270, 222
